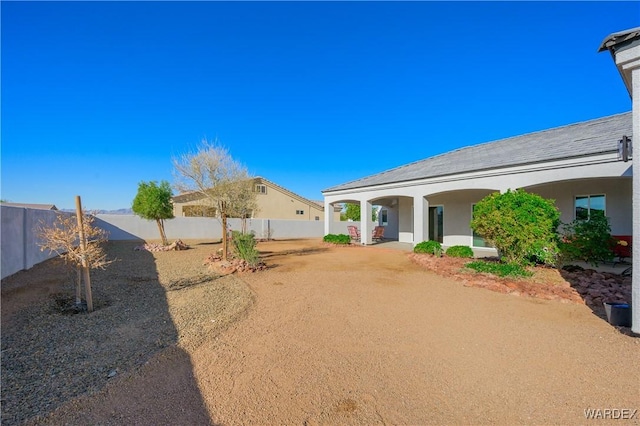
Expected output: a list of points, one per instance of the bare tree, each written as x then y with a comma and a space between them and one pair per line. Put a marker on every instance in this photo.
63, 238
212, 174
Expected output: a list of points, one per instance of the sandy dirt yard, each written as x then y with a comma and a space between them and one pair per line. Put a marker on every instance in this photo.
327, 335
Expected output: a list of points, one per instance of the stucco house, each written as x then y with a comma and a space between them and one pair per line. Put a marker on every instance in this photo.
577, 165
274, 202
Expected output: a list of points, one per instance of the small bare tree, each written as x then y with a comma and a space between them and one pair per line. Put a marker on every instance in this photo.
212, 174
63, 237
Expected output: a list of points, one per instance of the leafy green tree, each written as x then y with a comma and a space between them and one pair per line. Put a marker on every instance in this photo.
153, 202
352, 212
520, 225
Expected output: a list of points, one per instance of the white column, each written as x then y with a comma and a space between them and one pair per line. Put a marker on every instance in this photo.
635, 283
328, 216
420, 219
365, 222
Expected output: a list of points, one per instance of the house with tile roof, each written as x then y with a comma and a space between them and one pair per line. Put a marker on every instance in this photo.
274, 202
576, 165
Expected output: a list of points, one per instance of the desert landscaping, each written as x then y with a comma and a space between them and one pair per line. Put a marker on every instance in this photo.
323, 335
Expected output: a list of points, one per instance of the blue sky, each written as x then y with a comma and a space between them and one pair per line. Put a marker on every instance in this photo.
97, 97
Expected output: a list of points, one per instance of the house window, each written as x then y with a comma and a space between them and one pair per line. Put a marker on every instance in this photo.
477, 241
384, 218
588, 205
260, 189
317, 217
299, 211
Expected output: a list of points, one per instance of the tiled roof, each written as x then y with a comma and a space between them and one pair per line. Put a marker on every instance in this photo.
574, 140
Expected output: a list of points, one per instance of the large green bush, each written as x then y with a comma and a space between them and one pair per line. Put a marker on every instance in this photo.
429, 247
520, 225
244, 246
337, 239
587, 240
459, 251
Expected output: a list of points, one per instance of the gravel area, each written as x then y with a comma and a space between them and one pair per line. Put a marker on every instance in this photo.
325, 335
52, 353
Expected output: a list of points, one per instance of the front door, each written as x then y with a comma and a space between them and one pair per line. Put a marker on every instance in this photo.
436, 223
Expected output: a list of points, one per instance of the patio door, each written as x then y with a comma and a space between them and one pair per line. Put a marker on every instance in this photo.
436, 223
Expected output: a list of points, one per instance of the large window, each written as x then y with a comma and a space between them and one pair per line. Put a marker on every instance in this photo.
587, 206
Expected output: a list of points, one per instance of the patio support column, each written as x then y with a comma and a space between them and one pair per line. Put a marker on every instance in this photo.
365, 222
420, 219
328, 217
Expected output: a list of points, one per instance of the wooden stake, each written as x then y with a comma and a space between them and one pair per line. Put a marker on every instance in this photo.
83, 250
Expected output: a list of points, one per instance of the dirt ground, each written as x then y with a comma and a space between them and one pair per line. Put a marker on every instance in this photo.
342, 335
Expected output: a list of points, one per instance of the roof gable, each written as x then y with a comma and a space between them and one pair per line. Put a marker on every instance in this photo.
575, 140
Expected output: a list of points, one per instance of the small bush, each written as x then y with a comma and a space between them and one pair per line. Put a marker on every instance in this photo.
587, 240
244, 246
337, 239
459, 251
429, 247
499, 269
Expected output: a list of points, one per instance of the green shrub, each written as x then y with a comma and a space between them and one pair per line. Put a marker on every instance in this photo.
520, 225
244, 246
587, 240
429, 247
337, 239
499, 269
459, 251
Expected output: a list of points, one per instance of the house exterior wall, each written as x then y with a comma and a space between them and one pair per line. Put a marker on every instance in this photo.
617, 194
561, 180
277, 204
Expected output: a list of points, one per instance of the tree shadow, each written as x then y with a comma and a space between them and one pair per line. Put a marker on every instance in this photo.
118, 364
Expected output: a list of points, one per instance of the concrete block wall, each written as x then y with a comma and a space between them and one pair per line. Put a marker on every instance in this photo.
19, 247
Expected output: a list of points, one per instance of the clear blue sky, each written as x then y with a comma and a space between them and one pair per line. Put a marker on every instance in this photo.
97, 97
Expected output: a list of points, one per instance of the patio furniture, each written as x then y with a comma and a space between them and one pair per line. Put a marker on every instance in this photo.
378, 233
354, 232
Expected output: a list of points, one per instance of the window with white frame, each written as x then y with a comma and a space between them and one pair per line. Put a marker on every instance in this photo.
299, 211
587, 206
260, 189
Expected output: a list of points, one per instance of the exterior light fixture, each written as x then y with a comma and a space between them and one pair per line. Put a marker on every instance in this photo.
625, 149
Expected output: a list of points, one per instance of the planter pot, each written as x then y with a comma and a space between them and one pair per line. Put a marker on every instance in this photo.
618, 314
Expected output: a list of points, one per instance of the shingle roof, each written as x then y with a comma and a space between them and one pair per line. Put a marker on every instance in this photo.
574, 140
32, 206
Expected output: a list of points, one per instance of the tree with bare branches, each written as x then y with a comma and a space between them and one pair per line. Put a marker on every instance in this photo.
211, 174
63, 238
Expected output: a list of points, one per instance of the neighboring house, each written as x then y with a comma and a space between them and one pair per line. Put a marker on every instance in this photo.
576, 165
274, 202
32, 206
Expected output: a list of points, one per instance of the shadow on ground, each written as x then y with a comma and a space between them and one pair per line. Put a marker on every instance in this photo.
55, 357
599, 285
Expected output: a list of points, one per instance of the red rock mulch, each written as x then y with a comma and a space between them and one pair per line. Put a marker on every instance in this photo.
582, 287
